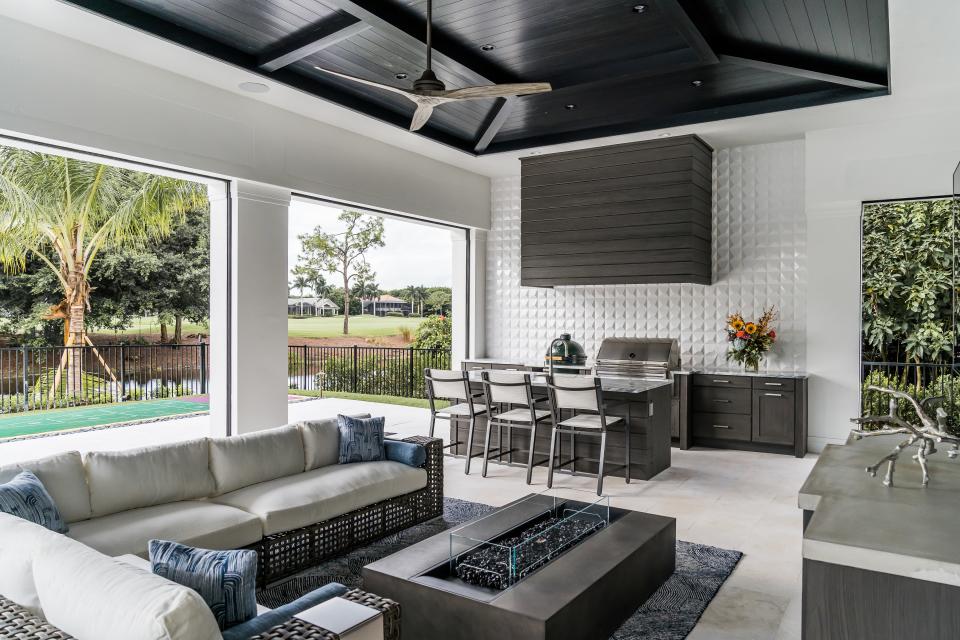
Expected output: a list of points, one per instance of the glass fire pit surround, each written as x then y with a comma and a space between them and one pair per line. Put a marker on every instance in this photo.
529, 534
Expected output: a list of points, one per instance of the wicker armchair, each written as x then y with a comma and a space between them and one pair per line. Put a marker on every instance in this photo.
16, 623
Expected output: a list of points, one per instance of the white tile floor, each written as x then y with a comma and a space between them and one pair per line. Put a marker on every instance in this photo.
731, 499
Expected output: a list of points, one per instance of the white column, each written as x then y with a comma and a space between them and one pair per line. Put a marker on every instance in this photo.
259, 307
220, 256
478, 294
469, 277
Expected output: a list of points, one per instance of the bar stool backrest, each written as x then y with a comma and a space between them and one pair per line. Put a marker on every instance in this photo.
507, 387
447, 384
575, 392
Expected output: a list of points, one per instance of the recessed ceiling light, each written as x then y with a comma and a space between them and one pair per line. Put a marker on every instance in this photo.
639, 8
488, 47
664, 135
401, 76
253, 87
697, 83
570, 107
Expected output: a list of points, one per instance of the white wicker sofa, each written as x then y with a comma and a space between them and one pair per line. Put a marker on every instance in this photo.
279, 491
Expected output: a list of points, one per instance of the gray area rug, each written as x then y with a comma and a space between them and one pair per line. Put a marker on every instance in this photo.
669, 614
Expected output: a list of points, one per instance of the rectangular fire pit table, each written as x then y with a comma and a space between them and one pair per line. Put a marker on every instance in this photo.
544, 566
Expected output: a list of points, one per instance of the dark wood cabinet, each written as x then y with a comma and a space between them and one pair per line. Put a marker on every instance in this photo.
774, 417
756, 413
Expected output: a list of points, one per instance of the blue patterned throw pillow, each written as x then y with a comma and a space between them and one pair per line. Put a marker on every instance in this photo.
226, 580
25, 496
361, 439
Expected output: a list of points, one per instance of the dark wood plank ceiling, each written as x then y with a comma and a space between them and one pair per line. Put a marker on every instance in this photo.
616, 66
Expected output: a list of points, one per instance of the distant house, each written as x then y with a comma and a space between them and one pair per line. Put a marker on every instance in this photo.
312, 307
385, 304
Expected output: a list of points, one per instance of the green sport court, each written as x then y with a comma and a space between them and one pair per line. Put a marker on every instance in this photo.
36, 422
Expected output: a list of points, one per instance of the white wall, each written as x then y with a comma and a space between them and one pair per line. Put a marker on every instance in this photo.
902, 158
759, 244
63, 90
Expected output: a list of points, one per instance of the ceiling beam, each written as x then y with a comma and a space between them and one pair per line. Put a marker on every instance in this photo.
399, 22
495, 121
325, 33
846, 75
688, 29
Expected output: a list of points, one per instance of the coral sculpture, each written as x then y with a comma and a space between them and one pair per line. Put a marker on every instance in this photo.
925, 435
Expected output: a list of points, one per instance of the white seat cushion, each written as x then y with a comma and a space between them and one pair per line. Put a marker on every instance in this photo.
463, 409
93, 597
521, 415
321, 441
195, 523
589, 421
307, 498
240, 461
122, 480
19, 541
64, 479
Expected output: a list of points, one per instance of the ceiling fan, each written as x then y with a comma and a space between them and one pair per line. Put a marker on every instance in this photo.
429, 92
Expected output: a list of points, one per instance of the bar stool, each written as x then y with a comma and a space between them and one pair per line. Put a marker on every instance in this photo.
511, 389
443, 384
581, 393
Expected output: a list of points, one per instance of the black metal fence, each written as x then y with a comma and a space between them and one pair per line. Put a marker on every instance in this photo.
36, 378
919, 380
391, 371
33, 378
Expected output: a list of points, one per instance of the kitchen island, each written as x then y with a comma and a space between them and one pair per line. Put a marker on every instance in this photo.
645, 406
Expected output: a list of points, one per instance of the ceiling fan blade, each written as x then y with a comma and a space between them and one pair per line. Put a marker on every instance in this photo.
421, 115
498, 90
369, 83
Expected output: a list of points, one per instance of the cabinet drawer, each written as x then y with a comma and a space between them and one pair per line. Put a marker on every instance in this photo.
720, 380
721, 426
774, 384
721, 400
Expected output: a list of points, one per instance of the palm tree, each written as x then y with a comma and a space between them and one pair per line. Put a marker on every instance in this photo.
300, 282
64, 211
418, 294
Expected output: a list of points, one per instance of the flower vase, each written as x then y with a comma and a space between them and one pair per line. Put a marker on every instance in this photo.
751, 366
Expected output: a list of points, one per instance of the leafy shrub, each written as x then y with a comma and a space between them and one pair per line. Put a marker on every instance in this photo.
406, 334
393, 374
394, 314
436, 332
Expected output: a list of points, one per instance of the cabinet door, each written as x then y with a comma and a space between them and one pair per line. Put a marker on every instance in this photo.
774, 417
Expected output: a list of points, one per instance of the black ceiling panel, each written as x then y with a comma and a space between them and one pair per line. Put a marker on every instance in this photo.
616, 66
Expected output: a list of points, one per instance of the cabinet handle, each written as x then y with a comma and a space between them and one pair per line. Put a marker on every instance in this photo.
721, 426
722, 381
773, 384
774, 395
722, 400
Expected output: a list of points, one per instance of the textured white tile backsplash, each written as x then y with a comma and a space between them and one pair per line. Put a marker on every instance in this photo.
759, 259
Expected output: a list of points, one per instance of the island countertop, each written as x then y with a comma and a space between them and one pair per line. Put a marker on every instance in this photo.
610, 384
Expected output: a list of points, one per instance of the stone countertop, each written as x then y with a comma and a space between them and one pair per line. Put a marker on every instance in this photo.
610, 384
903, 530
534, 365
740, 372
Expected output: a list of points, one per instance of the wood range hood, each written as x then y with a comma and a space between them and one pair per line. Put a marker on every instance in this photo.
636, 213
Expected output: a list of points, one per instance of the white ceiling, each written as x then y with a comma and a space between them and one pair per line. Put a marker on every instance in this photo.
924, 54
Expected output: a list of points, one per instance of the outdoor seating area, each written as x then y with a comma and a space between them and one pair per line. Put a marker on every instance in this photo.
473, 320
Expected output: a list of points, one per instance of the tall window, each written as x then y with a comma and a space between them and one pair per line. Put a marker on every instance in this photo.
908, 299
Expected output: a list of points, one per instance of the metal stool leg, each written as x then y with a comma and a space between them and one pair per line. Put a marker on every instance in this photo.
553, 441
603, 453
466, 468
486, 449
533, 444
627, 438
433, 422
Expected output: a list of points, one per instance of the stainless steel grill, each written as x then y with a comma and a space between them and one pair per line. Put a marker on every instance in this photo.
652, 358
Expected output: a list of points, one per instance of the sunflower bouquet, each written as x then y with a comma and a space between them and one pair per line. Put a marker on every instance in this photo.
749, 341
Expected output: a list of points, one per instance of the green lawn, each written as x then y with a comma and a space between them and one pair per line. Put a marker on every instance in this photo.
360, 326
320, 327
421, 403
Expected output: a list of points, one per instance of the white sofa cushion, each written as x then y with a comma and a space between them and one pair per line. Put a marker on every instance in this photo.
195, 523
93, 597
19, 540
240, 461
64, 479
321, 441
122, 480
306, 498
